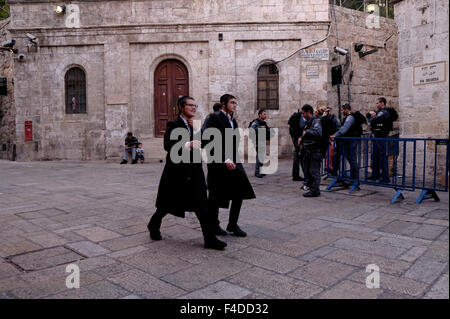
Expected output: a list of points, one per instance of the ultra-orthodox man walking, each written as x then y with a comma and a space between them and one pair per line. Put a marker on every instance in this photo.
182, 186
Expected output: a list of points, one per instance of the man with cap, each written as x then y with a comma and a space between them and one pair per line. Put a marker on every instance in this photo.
182, 186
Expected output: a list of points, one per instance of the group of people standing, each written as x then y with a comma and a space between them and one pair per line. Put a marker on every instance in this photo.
183, 187
313, 132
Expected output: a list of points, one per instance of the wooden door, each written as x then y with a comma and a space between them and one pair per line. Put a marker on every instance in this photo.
171, 82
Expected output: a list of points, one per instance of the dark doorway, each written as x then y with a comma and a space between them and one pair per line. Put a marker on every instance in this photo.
171, 82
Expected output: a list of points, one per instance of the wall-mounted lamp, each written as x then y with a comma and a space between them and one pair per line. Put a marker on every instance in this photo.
60, 8
220, 36
372, 8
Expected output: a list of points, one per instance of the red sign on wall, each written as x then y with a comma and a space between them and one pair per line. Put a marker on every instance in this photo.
28, 130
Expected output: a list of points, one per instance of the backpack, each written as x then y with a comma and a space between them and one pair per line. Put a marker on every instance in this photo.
359, 121
294, 124
328, 128
393, 116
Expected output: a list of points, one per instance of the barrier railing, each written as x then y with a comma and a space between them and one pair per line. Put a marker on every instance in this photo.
397, 163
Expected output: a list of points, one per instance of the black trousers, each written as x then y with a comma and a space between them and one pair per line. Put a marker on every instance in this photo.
312, 163
205, 220
235, 209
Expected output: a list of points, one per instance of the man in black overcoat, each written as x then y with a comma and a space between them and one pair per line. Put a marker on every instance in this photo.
182, 186
227, 180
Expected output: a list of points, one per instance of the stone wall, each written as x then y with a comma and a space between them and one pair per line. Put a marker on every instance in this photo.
7, 106
423, 39
119, 45
374, 75
424, 107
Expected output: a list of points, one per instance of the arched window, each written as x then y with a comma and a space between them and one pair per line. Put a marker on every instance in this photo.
75, 83
268, 87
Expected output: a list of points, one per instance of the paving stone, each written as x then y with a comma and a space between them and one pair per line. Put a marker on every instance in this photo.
131, 297
126, 242
145, 285
430, 232
7, 270
307, 226
274, 285
204, 274
218, 290
370, 247
88, 249
400, 227
45, 258
438, 214
266, 259
321, 272
321, 252
351, 290
112, 269
412, 254
127, 252
98, 290
391, 266
425, 270
47, 239
444, 236
154, 263
439, 289
97, 234
400, 285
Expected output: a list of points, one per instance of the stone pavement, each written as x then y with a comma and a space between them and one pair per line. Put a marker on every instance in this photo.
94, 214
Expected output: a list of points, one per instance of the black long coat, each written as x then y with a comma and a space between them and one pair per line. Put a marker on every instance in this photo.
182, 186
224, 184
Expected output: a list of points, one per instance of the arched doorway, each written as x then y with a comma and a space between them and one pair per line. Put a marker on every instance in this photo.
171, 82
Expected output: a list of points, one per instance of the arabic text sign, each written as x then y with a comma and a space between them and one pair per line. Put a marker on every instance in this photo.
430, 73
316, 54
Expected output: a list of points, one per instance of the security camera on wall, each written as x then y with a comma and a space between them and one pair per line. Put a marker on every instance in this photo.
341, 51
8, 44
31, 37
21, 57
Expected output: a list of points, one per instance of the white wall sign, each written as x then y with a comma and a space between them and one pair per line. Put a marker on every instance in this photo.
321, 54
312, 71
430, 73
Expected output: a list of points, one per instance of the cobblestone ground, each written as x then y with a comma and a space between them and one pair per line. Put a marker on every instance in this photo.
95, 215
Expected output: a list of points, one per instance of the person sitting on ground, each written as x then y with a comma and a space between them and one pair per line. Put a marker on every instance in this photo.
140, 153
131, 143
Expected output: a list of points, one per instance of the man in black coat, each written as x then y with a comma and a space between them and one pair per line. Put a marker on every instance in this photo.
227, 180
182, 186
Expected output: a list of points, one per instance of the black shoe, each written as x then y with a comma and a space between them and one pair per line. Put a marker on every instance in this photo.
124, 162
134, 162
220, 232
298, 179
259, 175
311, 194
236, 231
215, 243
155, 234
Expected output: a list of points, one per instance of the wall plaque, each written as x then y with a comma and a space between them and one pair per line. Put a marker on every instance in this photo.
321, 54
430, 73
312, 71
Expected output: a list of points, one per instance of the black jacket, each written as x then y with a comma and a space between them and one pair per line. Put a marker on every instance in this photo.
182, 186
223, 184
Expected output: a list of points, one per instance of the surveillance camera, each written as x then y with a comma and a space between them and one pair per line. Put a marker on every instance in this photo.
31, 37
8, 44
341, 51
21, 57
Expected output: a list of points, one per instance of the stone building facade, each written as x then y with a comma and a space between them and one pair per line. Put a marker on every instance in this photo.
133, 53
7, 106
423, 28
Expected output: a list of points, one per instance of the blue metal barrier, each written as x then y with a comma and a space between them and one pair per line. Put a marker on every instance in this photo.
397, 163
